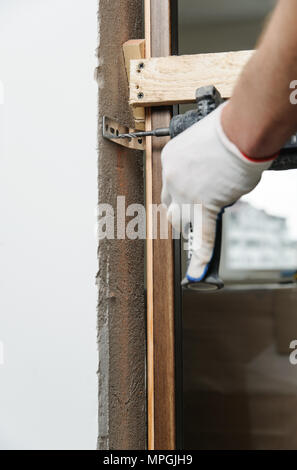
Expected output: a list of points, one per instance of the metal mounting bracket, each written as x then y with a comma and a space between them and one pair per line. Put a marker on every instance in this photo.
111, 129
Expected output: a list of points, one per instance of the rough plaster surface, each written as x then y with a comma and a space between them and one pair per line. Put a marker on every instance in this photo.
121, 313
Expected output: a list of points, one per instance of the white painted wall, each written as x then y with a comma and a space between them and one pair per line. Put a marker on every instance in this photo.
48, 385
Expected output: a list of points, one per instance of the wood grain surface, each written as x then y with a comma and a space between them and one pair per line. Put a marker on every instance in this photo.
160, 258
173, 80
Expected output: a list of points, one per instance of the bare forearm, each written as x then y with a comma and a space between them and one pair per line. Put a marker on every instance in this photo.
259, 117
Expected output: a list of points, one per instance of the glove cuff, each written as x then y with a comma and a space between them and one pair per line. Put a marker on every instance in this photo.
261, 163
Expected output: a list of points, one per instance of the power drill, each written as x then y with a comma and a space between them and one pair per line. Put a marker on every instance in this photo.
208, 99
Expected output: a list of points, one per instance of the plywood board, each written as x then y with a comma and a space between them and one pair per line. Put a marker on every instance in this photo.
173, 80
134, 49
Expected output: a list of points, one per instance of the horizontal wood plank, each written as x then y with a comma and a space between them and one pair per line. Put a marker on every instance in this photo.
173, 80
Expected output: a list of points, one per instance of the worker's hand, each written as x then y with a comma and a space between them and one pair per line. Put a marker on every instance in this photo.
202, 166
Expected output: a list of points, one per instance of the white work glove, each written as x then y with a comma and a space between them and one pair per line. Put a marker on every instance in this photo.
202, 166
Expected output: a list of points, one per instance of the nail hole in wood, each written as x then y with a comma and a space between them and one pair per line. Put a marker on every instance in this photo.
140, 67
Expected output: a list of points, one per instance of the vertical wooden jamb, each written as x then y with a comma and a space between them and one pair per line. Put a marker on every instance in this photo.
160, 258
121, 314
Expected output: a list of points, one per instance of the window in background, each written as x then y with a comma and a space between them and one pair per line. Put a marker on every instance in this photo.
240, 388
260, 232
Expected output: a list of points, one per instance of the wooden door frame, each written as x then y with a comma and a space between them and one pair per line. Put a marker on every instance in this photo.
164, 330
128, 419
120, 279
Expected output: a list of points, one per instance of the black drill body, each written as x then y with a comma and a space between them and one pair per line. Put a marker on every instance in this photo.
208, 99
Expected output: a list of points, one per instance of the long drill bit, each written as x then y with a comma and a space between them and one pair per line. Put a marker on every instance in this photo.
162, 132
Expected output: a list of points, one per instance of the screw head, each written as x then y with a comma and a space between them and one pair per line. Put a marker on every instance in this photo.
140, 67
140, 95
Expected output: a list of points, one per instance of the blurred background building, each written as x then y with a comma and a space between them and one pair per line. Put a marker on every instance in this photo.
254, 239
